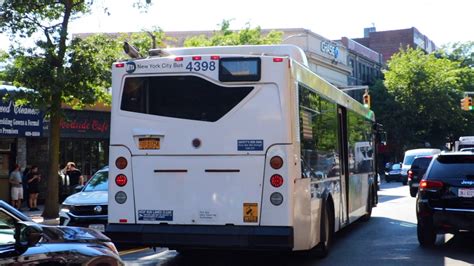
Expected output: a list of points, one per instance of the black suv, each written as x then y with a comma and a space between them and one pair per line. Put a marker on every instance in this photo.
445, 202
416, 172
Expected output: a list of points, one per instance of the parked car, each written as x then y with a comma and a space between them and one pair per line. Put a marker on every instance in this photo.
410, 155
416, 172
24, 242
445, 202
88, 207
393, 173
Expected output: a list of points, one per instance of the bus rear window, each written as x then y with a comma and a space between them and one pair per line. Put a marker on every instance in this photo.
186, 97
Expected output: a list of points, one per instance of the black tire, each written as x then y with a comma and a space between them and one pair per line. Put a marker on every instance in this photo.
327, 231
426, 234
413, 191
370, 204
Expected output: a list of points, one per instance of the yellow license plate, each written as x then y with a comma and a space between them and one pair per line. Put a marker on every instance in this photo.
149, 143
250, 212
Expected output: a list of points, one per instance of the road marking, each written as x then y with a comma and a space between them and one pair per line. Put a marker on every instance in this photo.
130, 251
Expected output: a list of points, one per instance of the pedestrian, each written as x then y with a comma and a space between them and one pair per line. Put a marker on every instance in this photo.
17, 187
75, 176
34, 177
26, 194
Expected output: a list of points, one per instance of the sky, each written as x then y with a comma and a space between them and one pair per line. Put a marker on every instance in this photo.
441, 21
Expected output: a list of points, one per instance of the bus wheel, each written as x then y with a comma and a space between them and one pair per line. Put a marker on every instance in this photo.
326, 231
370, 204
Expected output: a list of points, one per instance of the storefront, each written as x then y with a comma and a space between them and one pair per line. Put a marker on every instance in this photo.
24, 140
18, 125
85, 140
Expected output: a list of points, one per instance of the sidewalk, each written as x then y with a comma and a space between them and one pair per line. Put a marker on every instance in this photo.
36, 216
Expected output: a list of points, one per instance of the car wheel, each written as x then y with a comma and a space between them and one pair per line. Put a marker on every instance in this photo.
413, 191
426, 234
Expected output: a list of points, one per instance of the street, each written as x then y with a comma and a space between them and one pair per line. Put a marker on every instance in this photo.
388, 238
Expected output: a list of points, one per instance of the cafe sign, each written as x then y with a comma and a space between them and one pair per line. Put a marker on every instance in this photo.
84, 124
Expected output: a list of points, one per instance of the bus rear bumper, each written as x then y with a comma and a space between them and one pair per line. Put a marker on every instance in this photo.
203, 236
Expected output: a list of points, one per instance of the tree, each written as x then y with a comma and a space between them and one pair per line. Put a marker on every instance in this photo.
225, 37
427, 89
57, 70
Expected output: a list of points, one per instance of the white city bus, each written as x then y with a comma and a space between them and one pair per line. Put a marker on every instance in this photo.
235, 148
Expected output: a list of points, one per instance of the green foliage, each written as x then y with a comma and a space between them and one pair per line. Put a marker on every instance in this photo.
461, 52
427, 90
57, 70
226, 37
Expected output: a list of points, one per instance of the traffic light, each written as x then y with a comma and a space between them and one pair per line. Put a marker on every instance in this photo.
366, 99
466, 103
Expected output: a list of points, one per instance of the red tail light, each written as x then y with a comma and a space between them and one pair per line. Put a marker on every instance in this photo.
179, 58
277, 59
215, 57
196, 58
276, 162
121, 163
119, 65
430, 184
121, 180
410, 174
276, 180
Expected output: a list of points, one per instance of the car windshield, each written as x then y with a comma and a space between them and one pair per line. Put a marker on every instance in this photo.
99, 182
396, 167
454, 166
421, 163
408, 159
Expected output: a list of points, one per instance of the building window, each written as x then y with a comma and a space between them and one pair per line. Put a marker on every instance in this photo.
351, 63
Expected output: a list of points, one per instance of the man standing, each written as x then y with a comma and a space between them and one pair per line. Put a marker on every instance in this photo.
75, 176
17, 187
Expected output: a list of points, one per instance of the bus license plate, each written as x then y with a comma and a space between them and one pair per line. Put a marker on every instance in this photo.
466, 193
98, 227
149, 143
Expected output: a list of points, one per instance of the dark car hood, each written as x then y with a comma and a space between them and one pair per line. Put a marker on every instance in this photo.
72, 234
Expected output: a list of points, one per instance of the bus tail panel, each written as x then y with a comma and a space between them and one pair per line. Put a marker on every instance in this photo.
198, 190
121, 197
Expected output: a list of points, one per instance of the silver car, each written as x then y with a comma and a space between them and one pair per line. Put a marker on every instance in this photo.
88, 207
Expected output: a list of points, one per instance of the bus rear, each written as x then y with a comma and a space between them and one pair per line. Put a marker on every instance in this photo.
200, 151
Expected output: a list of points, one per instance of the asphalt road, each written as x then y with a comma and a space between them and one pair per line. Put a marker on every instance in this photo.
388, 238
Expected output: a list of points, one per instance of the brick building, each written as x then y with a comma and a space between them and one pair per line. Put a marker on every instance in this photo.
389, 42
